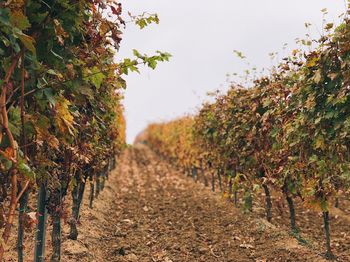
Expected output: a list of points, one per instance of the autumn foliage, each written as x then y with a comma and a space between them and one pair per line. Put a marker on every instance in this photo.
289, 132
61, 117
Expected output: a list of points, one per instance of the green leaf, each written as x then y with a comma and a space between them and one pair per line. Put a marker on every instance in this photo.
329, 26
14, 115
86, 91
142, 23
152, 63
121, 83
4, 16
56, 55
28, 42
324, 205
52, 72
137, 53
313, 159
96, 77
19, 20
239, 54
50, 96
25, 169
39, 17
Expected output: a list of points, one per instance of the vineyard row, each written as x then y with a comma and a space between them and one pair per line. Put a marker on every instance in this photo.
61, 113
290, 132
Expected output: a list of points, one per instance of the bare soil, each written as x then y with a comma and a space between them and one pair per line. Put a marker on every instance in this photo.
149, 211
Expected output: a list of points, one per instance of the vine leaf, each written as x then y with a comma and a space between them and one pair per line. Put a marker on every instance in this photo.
96, 77
43, 134
9, 153
319, 142
64, 118
61, 34
28, 42
25, 169
19, 20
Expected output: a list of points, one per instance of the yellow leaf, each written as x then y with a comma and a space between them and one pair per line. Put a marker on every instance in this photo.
104, 28
312, 61
319, 142
64, 119
310, 102
28, 42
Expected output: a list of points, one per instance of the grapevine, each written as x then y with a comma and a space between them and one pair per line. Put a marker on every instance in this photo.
62, 120
287, 133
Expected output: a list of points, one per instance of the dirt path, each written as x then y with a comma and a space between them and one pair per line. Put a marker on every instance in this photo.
149, 212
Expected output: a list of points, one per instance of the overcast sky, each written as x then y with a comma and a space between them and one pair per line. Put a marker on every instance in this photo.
201, 35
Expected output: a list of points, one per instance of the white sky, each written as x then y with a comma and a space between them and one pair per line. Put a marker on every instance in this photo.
201, 35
